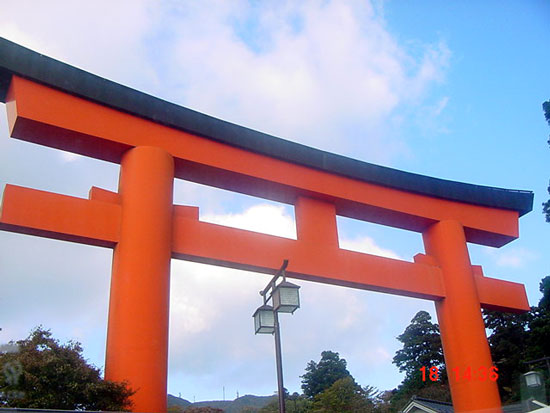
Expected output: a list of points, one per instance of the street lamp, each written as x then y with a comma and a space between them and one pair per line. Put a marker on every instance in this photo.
533, 379
533, 392
285, 299
264, 320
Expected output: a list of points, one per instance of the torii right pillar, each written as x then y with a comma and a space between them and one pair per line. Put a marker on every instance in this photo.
463, 334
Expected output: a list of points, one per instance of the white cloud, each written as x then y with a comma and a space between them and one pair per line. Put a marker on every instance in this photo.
368, 246
327, 74
103, 37
265, 218
331, 80
378, 355
514, 257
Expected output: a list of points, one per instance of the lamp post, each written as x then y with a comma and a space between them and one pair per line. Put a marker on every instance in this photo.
285, 299
533, 379
532, 390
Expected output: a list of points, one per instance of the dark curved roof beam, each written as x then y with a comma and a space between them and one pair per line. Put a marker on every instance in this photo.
24, 63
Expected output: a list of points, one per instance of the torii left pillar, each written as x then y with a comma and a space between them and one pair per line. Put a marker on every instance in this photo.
137, 337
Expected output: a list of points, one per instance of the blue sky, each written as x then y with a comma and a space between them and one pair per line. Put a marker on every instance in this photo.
452, 90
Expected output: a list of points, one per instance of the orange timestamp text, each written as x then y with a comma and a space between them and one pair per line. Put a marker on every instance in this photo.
482, 373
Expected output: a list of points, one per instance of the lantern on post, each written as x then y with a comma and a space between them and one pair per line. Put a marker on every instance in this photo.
533, 379
533, 392
264, 320
286, 298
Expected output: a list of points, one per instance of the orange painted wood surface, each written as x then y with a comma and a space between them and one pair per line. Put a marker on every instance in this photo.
216, 244
34, 212
97, 222
73, 124
137, 335
500, 295
461, 324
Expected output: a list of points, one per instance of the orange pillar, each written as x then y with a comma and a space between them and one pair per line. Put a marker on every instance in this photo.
137, 336
462, 330
316, 222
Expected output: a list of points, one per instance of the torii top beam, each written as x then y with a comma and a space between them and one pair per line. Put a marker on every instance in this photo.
240, 159
98, 118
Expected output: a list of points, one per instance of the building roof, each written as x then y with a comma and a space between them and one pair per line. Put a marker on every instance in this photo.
23, 62
433, 406
427, 405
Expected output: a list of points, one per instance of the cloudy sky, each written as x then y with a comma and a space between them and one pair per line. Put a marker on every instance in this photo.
447, 90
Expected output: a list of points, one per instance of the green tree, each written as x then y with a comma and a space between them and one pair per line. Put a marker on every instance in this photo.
345, 395
250, 409
320, 376
294, 403
539, 330
539, 324
518, 338
42, 373
546, 205
514, 339
508, 342
421, 349
383, 401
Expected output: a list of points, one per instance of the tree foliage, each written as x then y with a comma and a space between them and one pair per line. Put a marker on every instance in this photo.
294, 403
508, 341
320, 376
421, 346
518, 338
514, 339
539, 324
45, 374
345, 395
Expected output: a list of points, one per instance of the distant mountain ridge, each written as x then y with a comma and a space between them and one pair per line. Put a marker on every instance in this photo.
233, 406
177, 401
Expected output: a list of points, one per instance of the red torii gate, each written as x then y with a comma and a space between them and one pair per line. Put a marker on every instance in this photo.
53, 104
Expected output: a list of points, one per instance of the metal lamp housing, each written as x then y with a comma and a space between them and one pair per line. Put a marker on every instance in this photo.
286, 298
533, 379
264, 320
